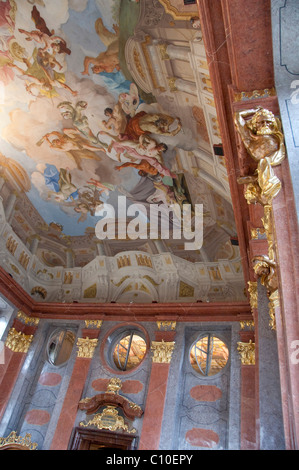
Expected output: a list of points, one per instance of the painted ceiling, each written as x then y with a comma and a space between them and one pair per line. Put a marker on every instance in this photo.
80, 87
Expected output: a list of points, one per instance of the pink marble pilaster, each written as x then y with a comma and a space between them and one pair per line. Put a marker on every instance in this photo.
153, 415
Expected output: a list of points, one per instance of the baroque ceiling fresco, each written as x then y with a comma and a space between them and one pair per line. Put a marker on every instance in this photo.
101, 99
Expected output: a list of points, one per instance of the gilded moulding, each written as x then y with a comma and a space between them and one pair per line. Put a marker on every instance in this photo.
162, 351
86, 347
17, 341
247, 353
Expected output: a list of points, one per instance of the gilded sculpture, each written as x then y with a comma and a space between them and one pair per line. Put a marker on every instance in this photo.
114, 385
261, 134
263, 139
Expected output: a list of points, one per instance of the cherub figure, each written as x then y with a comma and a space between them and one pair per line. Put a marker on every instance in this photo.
116, 121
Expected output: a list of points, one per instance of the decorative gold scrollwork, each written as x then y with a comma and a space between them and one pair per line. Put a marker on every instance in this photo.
108, 419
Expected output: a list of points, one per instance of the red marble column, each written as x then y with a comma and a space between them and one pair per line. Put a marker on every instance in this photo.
13, 362
73, 395
155, 402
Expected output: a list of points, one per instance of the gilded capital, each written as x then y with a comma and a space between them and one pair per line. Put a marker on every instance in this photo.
86, 347
162, 351
18, 341
247, 353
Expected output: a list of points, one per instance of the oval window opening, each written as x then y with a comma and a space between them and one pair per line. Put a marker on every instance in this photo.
60, 347
208, 355
129, 351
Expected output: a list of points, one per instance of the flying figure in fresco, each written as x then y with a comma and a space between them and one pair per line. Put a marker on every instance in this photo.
42, 69
41, 26
92, 199
79, 120
60, 183
106, 61
73, 144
